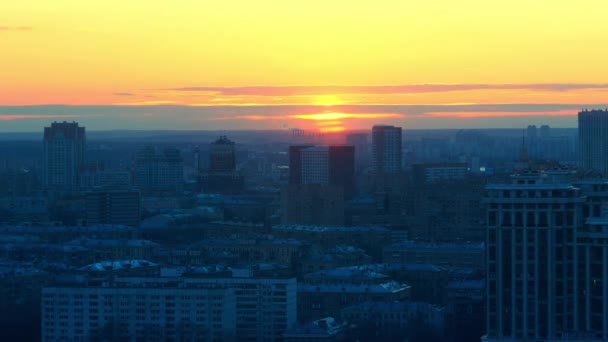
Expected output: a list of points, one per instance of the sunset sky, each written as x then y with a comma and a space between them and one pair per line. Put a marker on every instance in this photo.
322, 65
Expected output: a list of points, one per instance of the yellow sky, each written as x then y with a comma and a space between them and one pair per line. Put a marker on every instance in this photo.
82, 52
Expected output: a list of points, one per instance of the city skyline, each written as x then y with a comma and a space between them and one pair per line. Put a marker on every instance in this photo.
312, 65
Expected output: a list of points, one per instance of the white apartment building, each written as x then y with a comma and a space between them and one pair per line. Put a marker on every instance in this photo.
224, 308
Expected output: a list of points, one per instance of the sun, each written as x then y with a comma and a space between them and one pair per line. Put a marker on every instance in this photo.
327, 100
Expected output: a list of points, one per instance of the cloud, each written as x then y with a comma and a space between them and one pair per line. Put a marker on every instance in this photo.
277, 91
123, 94
180, 117
15, 28
12, 117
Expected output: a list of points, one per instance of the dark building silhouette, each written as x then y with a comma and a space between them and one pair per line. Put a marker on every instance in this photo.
324, 165
159, 171
222, 176
64, 153
222, 155
593, 140
113, 207
362, 149
312, 204
295, 163
386, 148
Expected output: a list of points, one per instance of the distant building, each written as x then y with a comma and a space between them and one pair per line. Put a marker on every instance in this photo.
222, 176
362, 149
115, 180
312, 204
468, 255
386, 149
431, 173
323, 165
159, 171
113, 207
64, 153
593, 140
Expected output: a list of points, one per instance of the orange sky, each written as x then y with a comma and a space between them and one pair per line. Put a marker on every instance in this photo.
314, 52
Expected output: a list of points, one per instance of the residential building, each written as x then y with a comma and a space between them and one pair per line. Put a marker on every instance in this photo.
113, 207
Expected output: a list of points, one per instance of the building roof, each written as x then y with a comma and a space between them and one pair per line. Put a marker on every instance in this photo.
117, 265
322, 229
411, 244
388, 287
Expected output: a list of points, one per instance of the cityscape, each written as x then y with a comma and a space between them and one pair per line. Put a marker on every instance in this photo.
303, 171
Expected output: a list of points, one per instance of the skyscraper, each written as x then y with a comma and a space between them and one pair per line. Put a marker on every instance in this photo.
593, 140
386, 149
323, 165
222, 155
532, 261
359, 141
64, 153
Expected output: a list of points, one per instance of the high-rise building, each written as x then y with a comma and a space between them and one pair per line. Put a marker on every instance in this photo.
544, 132
323, 165
315, 165
222, 176
159, 172
113, 207
222, 155
593, 140
64, 153
295, 163
362, 155
386, 149
532, 262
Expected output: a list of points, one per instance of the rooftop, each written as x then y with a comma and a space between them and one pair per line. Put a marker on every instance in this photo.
321, 229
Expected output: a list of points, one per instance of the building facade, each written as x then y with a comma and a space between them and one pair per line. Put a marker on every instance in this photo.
159, 171
64, 152
207, 308
593, 140
533, 270
113, 207
386, 149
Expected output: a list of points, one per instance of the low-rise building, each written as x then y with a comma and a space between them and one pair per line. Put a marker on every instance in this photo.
468, 255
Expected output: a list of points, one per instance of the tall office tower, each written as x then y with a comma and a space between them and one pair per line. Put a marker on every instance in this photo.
222, 155
315, 165
386, 149
222, 176
113, 207
64, 153
295, 163
324, 165
159, 172
342, 168
593, 140
531, 134
544, 132
359, 141
532, 260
